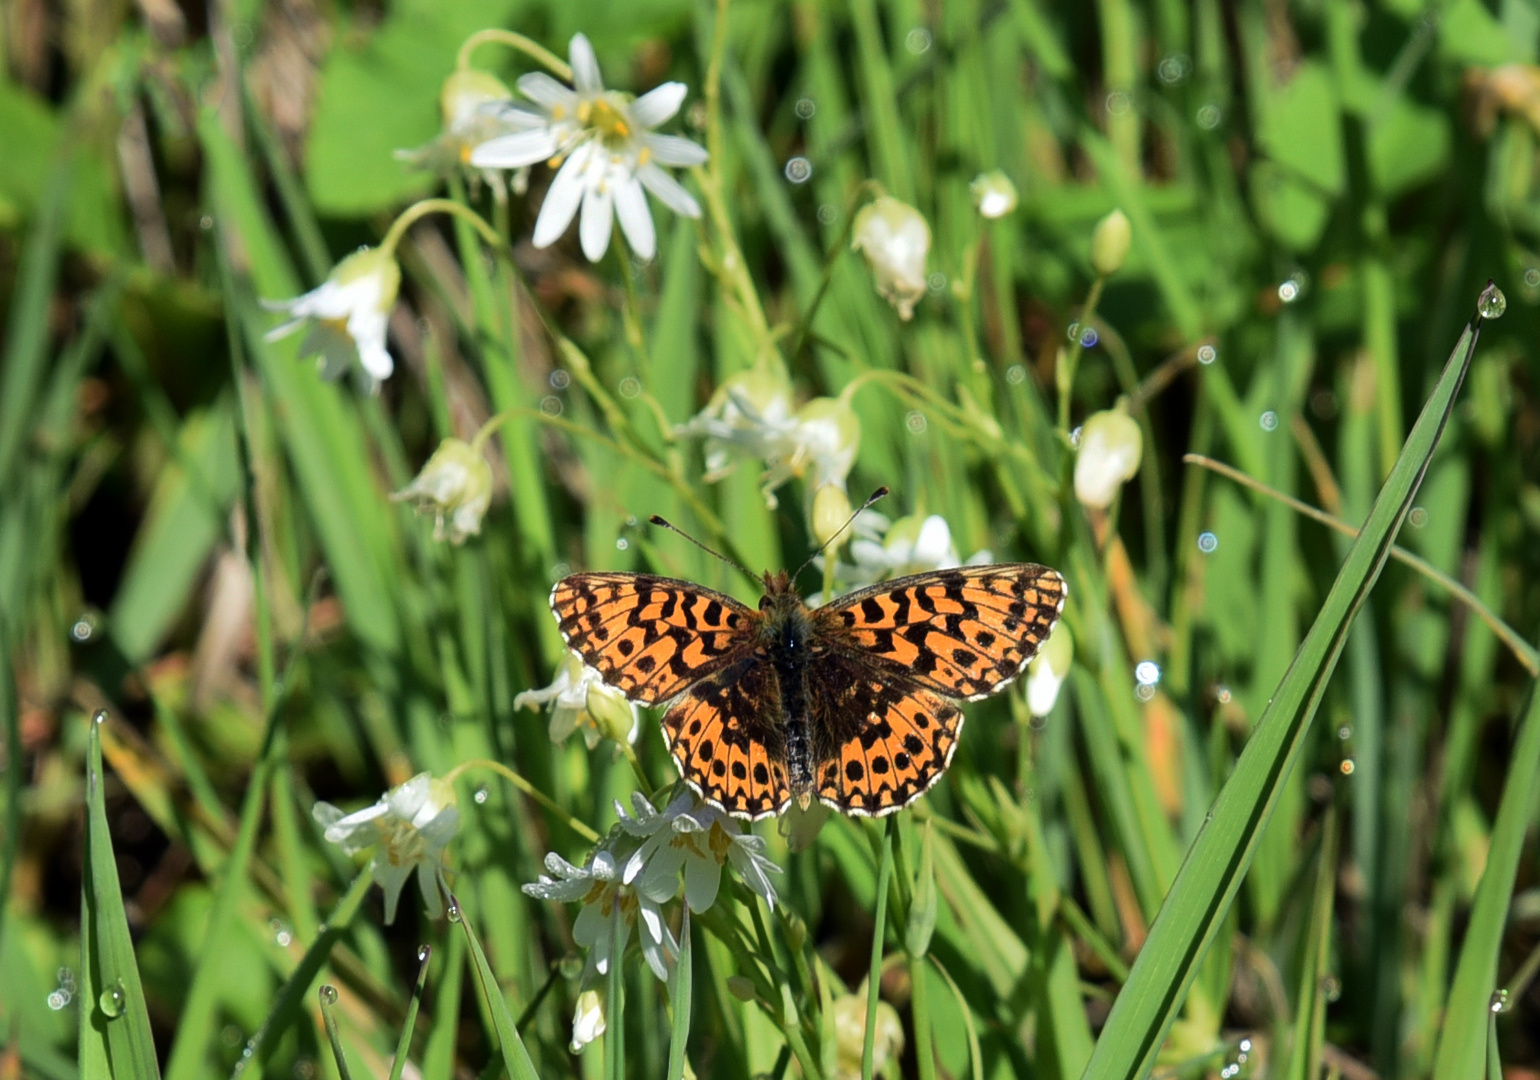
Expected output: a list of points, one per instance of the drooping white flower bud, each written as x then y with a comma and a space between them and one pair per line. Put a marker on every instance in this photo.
1048, 670
895, 240
587, 1020
346, 315
831, 510
1110, 447
993, 194
455, 486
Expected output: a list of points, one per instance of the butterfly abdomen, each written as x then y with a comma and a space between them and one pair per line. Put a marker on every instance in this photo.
788, 637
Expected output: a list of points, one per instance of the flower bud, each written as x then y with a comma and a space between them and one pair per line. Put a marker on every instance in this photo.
993, 194
587, 1020
1110, 446
850, 1034
740, 987
611, 712
466, 94
1109, 244
1048, 670
455, 486
825, 441
831, 511
895, 240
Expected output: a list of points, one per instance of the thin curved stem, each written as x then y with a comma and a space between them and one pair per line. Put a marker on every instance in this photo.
417, 210
1522, 650
517, 41
1065, 375
527, 788
872, 188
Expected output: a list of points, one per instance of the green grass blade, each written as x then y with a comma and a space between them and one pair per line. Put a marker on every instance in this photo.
114, 1023
515, 1057
1463, 1044
1217, 862
680, 994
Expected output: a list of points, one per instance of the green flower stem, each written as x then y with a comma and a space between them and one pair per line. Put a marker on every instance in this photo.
404, 1045
879, 931
409, 217
919, 1008
1066, 373
527, 788
328, 996
1525, 653
804, 327
631, 314
535, 51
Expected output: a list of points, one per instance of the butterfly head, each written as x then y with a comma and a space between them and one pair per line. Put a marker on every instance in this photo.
778, 591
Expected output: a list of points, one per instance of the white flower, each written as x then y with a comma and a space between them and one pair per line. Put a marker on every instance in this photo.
911, 545
583, 700
587, 1020
456, 483
993, 194
604, 149
476, 108
611, 908
850, 1035
347, 315
698, 839
1110, 447
1048, 670
409, 828
895, 240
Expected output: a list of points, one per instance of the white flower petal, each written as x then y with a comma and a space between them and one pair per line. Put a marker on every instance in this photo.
561, 199
702, 879
635, 218
391, 877
658, 104
585, 67
597, 222
516, 150
673, 150
544, 90
668, 190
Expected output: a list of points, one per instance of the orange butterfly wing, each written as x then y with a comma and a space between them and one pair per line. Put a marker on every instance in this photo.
726, 738
650, 637
962, 633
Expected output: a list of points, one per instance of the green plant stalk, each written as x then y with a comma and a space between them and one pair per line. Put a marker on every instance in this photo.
511, 1047
1304, 1061
404, 1043
879, 929
919, 1010
1064, 375
1216, 864
328, 996
529, 47
679, 996
529, 789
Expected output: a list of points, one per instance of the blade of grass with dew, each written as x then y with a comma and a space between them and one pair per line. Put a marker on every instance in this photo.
1470, 1005
1217, 862
515, 1056
404, 1044
112, 1001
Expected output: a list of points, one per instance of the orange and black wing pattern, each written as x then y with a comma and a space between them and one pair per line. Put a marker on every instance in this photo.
726, 737
650, 637
961, 633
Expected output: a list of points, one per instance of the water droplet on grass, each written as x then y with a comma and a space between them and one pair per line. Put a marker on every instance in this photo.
805, 108
1207, 354
917, 40
1207, 542
113, 1000
328, 994
1269, 421
799, 170
1492, 303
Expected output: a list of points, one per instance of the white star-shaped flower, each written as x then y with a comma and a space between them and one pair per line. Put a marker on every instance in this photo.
347, 315
605, 152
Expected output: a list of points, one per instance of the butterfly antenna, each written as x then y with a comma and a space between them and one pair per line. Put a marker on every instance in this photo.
880, 493
666, 524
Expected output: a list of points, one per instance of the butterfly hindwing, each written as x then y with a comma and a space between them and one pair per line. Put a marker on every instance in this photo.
650, 637
962, 633
725, 736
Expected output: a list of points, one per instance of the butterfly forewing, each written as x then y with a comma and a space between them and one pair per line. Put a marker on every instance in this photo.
650, 637
962, 633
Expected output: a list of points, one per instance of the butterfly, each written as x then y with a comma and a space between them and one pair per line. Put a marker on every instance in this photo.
852, 702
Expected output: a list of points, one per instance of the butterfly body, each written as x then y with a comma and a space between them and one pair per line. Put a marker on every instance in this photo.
850, 703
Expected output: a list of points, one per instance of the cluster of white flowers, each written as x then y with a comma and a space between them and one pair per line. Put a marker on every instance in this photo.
409, 828
752, 415
637, 869
914, 544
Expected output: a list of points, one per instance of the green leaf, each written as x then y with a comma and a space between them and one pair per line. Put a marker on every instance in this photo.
1216, 864
115, 1034
1301, 129
515, 1057
679, 991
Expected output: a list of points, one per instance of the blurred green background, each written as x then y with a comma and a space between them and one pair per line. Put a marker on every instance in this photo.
1318, 192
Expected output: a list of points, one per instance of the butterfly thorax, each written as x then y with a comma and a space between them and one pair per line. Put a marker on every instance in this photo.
786, 641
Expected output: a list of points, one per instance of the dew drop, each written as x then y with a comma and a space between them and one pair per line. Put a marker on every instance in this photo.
1498, 1002
1331, 986
1207, 542
1532, 278
1173, 69
1015, 374
453, 910
1347, 767
827, 214
1147, 673
1088, 338
936, 282
206, 223
1208, 117
1222, 694
1491, 303
113, 1000
799, 170
59, 999
1144, 692
550, 405
805, 108
1207, 354
917, 40
424, 952
1117, 103
66, 978
328, 994
1418, 517
1074, 437
100, 717
1288, 291
560, 379
622, 544
915, 421
481, 796
83, 629
560, 570
1269, 421
630, 387
1345, 732
1072, 331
